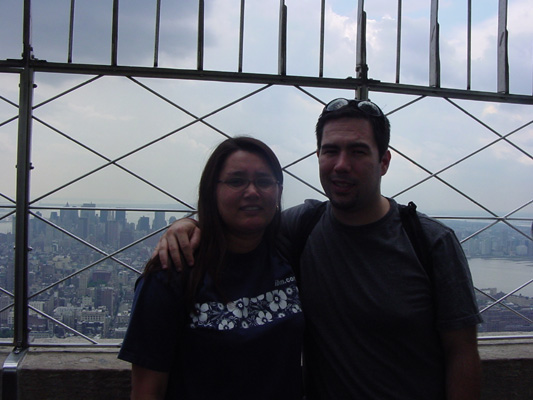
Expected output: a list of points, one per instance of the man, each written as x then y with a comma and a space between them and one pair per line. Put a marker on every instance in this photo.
378, 324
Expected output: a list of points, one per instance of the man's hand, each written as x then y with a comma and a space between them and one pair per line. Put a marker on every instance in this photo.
181, 238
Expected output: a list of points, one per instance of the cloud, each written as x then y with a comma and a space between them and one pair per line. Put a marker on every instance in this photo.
114, 115
92, 29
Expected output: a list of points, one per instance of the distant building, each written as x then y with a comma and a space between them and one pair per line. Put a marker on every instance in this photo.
120, 217
143, 224
104, 216
112, 230
159, 220
89, 214
68, 218
126, 238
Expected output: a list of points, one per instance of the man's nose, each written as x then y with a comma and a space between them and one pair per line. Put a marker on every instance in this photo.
343, 162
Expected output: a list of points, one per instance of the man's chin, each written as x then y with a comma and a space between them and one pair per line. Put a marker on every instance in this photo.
344, 205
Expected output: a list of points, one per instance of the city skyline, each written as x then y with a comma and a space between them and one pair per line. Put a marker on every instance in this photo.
96, 302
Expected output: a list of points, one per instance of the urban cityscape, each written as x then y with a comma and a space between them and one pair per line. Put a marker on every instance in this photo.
111, 246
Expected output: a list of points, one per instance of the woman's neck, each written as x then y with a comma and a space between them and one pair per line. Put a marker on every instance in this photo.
243, 243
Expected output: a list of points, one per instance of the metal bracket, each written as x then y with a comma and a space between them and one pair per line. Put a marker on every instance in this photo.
10, 373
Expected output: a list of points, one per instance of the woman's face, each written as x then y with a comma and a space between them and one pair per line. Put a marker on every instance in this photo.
247, 207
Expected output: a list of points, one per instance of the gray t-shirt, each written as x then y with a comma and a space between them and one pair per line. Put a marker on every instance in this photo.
372, 313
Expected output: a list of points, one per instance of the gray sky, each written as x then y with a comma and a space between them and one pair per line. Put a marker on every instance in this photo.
115, 115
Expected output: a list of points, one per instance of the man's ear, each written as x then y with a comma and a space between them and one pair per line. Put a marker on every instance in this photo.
385, 162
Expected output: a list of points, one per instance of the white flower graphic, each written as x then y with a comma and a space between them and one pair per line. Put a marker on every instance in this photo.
225, 325
239, 308
263, 317
245, 312
277, 300
201, 312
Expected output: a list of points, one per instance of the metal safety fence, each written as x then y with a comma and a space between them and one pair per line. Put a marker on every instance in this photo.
130, 130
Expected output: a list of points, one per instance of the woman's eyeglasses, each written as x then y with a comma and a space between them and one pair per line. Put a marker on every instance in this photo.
365, 106
239, 184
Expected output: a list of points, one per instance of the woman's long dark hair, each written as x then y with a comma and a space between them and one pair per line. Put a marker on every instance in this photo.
210, 257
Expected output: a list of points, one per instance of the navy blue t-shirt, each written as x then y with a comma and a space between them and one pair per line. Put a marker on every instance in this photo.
242, 343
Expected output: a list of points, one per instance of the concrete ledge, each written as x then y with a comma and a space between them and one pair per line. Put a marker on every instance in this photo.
97, 374
507, 369
74, 374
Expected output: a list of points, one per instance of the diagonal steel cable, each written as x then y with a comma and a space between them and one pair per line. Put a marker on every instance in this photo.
114, 161
70, 90
8, 198
10, 102
10, 295
493, 130
8, 214
55, 321
507, 295
286, 170
304, 182
161, 190
434, 175
96, 249
501, 219
6, 292
200, 119
7, 121
504, 305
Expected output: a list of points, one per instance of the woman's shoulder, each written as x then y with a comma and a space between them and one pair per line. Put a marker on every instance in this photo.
170, 281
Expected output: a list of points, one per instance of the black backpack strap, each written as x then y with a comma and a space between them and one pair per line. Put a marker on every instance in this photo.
413, 228
308, 220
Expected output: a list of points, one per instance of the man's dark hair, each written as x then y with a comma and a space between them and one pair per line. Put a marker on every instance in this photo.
380, 124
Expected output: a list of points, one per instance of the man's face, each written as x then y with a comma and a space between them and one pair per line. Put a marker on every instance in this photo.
350, 168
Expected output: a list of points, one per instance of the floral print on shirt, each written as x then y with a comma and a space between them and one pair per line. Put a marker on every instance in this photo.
247, 312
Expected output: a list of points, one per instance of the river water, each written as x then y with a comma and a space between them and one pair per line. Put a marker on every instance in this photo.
505, 274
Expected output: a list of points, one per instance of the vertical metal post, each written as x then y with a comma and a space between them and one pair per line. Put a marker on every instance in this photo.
469, 47
23, 187
322, 24
503, 48
21, 332
114, 34
241, 36
71, 31
398, 41
361, 66
156, 40
434, 51
282, 45
200, 60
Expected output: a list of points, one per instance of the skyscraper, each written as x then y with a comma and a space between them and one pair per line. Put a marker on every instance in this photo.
159, 220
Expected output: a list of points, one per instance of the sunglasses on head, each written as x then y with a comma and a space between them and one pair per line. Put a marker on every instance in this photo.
365, 106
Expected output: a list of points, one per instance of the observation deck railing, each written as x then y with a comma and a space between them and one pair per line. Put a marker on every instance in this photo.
174, 86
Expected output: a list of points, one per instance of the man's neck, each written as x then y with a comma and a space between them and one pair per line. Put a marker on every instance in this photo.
363, 216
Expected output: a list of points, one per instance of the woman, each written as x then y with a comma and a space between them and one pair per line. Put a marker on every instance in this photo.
232, 326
